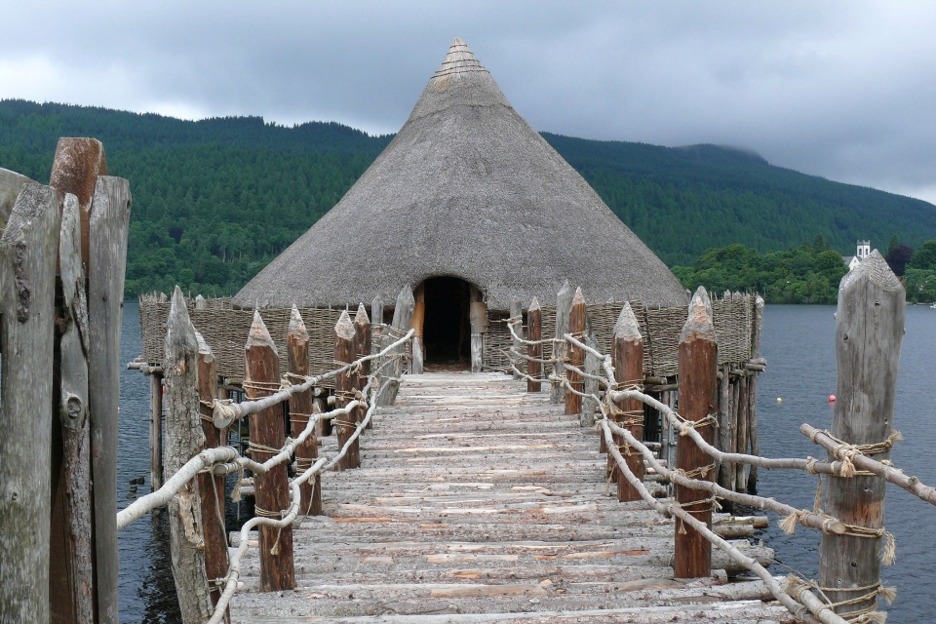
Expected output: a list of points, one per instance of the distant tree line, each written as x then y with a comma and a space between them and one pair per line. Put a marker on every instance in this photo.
215, 200
807, 273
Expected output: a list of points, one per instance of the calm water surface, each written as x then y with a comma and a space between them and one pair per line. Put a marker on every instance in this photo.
798, 344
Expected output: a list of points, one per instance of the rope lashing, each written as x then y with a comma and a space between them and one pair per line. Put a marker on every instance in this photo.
276, 515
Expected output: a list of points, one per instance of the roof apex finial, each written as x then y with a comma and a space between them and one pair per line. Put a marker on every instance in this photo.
459, 59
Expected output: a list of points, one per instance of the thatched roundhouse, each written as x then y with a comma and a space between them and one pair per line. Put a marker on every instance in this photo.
466, 203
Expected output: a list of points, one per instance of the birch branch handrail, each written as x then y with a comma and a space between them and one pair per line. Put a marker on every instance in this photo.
224, 414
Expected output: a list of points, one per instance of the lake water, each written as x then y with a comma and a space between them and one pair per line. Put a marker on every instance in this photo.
798, 342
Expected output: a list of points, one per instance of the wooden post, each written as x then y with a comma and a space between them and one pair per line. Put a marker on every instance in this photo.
402, 314
563, 307
109, 224
184, 440
576, 357
752, 389
376, 317
869, 326
727, 434
211, 487
268, 431
362, 347
516, 312
535, 333
27, 305
155, 430
698, 374
417, 323
72, 547
590, 385
344, 391
300, 411
477, 317
627, 357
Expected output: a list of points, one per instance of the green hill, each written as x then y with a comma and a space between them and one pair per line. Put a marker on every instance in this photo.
214, 200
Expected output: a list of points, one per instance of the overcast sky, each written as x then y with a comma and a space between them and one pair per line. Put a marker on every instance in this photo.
842, 89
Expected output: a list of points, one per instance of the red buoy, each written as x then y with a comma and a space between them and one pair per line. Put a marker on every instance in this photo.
831, 398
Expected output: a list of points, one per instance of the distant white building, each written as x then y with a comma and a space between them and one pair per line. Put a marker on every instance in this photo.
862, 252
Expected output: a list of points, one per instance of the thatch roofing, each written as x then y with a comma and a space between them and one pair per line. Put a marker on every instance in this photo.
467, 189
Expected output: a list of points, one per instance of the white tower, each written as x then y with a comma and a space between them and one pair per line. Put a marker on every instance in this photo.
864, 249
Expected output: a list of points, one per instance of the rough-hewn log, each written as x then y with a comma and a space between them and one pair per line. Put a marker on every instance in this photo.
27, 300
109, 224
477, 317
417, 323
869, 326
727, 440
516, 312
576, 355
627, 357
77, 163
71, 540
267, 436
376, 316
184, 440
591, 389
155, 430
300, 411
698, 375
563, 306
345, 424
756, 332
534, 351
362, 348
211, 487
402, 314
11, 183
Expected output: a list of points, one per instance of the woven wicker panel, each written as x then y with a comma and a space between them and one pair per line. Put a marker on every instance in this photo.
663, 328
497, 342
225, 330
733, 318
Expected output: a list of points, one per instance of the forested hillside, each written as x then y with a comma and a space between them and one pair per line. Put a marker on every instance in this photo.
214, 200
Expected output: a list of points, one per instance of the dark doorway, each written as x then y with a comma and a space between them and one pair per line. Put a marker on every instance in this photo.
446, 329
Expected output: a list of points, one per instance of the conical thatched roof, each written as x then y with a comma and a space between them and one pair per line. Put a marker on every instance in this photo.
467, 189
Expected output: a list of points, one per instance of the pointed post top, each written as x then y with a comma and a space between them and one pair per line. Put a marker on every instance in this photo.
259, 334
344, 328
534, 305
627, 328
297, 326
566, 288
405, 297
578, 298
699, 321
361, 318
873, 269
204, 348
180, 333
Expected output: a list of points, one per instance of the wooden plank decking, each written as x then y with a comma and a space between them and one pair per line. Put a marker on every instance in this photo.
477, 502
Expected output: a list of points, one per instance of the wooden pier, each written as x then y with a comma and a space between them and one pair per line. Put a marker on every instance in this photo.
479, 502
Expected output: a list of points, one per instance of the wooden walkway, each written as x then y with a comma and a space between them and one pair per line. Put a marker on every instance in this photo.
477, 502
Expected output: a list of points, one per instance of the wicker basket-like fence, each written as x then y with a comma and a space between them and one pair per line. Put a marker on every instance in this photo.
225, 330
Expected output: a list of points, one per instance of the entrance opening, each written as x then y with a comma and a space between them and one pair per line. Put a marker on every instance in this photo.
446, 329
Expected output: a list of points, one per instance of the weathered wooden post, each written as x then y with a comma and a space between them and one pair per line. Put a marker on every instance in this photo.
72, 548
698, 375
345, 424
402, 314
590, 385
534, 351
758, 324
267, 436
109, 224
27, 306
300, 411
155, 429
362, 348
184, 439
576, 355
563, 307
376, 318
627, 357
417, 323
210, 486
516, 312
869, 326
477, 318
